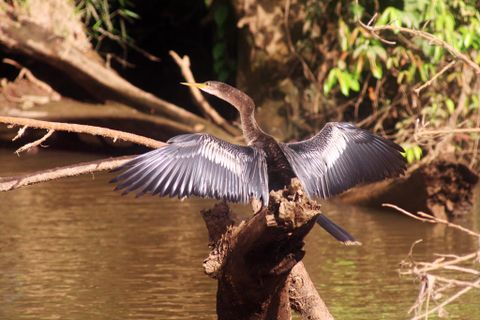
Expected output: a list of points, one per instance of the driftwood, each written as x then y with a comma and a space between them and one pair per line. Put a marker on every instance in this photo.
257, 262
22, 34
442, 187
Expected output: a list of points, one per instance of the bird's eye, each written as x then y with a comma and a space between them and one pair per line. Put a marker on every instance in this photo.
207, 83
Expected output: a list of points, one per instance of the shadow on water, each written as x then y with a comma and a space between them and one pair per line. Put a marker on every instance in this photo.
74, 249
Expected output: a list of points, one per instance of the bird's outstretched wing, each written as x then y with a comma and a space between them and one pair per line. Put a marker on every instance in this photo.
198, 165
341, 156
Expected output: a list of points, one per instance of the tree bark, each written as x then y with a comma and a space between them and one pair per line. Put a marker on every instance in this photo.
253, 260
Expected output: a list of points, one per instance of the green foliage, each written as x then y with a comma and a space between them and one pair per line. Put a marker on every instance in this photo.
223, 64
107, 18
413, 153
345, 58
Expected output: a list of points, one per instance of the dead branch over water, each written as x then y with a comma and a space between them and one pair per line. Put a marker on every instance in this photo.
80, 128
23, 180
430, 274
15, 182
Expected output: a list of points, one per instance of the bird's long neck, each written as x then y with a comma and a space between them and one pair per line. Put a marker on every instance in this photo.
250, 128
245, 105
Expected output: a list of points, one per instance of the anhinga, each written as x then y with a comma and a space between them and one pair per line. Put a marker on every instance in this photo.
337, 158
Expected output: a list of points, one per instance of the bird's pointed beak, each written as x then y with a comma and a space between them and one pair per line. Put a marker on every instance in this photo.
195, 85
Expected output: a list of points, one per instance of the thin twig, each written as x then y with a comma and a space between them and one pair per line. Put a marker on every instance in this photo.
80, 128
448, 223
447, 131
437, 266
449, 300
205, 107
458, 282
375, 35
25, 73
35, 143
424, 217
20, 133
438, 74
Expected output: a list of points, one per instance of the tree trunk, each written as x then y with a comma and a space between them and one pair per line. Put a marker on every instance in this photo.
256, 262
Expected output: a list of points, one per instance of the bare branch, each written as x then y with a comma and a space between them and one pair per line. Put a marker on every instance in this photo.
447, 301
425, 35
438, 74
205, 107
20, 133
35, 143
11, 183
432, 284
447, 131
424, 217
80, 128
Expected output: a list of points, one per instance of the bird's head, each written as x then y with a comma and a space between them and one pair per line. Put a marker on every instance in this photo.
212, 87
235, 97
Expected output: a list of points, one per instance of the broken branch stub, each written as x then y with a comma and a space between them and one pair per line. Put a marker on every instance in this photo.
253, 259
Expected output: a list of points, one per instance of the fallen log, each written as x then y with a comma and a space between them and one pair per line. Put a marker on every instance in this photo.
442, 187
257, 262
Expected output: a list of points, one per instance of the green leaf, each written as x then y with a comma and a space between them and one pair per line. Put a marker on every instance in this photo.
330, 82
343, 80
376, 71
129, 13
380, 51
343, 33
450, 106
354, 84
417, 152
467, 40
410, 155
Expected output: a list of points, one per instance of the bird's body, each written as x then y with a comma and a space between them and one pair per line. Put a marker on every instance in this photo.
337, 158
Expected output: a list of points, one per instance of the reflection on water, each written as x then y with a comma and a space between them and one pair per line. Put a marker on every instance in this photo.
73, 249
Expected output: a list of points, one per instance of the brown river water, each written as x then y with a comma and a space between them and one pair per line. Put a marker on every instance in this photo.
74, 249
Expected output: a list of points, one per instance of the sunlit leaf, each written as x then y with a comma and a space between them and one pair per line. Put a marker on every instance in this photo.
344, 81
450, 106
330, 82
354, 84
417, 152
410, 155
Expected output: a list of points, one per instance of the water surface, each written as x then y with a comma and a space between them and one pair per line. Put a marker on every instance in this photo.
73, 249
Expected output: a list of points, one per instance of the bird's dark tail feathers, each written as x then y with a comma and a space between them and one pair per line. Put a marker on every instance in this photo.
336, 231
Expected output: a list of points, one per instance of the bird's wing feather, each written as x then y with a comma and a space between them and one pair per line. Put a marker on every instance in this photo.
198, 165
341, 156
